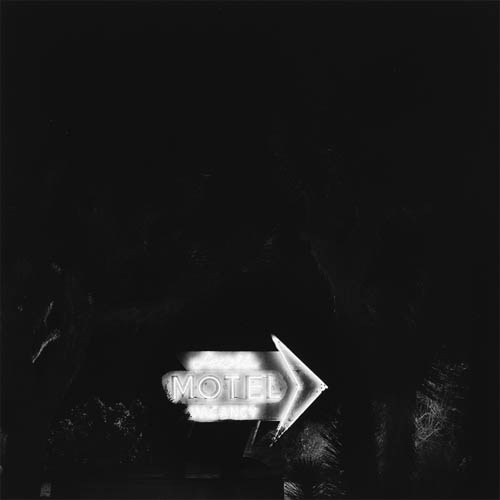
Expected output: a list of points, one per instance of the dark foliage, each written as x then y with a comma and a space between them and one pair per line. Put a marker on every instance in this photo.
99, 435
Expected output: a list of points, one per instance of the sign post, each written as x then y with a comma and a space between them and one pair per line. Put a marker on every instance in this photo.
244, 385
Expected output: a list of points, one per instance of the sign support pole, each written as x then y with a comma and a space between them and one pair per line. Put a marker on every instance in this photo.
251, 439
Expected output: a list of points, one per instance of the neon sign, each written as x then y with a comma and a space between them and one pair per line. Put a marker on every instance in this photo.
244, 385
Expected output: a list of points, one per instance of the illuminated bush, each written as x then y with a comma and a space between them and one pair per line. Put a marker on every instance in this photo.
313, 468
439, 425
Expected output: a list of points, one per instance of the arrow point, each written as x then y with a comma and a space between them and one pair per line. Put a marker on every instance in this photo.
305, 380
276, 340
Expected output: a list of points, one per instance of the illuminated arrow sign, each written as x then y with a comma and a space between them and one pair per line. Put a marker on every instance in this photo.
244, 385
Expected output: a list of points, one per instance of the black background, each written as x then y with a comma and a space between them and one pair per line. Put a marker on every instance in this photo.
172, 117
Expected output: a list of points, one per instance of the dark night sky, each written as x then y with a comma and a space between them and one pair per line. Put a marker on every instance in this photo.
140, 106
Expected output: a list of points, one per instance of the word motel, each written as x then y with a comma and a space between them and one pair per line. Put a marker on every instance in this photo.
193, 388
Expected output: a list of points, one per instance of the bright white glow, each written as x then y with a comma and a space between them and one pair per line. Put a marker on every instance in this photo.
225, 388
232, 380
217, 385
212, 360
211, 413
273, 389
255, 387
245, 386
178, 387
297, 368
296, 389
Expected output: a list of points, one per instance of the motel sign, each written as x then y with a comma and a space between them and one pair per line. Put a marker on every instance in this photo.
244, 385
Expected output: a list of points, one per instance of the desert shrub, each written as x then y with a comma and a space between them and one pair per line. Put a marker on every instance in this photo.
439, 427
313, 468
